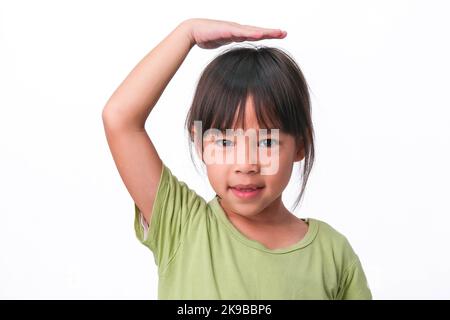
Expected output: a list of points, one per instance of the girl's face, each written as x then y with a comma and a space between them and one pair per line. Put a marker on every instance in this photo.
232, 160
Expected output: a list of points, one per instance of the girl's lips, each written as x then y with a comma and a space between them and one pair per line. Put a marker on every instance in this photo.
246, 194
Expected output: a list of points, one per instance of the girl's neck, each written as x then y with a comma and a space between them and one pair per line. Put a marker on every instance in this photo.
276, 214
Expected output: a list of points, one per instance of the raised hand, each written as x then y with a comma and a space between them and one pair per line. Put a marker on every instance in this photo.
211, 34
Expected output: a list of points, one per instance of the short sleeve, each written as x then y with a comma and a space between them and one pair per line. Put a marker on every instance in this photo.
175, 204
354, 285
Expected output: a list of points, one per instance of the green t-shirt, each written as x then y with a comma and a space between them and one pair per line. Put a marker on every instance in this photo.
200, 254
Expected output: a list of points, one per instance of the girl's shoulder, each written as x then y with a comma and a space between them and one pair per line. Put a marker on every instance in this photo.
329, 234
334, 245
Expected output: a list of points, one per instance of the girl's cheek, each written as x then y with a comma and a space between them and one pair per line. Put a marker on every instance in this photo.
269, 158
210, 155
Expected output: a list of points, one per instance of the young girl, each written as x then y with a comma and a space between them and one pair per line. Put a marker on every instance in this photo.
244, 243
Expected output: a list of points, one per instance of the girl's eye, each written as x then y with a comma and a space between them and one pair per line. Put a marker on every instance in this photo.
271, 144
229, 143
223, 142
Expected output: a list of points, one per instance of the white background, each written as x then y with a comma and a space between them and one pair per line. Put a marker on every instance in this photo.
379, 77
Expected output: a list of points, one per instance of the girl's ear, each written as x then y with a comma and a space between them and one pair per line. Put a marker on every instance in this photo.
300, 152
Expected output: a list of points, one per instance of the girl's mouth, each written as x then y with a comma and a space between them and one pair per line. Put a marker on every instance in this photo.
246, 193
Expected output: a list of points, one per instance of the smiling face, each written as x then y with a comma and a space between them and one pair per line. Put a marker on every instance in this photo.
232, 159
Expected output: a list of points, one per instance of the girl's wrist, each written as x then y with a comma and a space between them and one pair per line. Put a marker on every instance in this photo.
186, 27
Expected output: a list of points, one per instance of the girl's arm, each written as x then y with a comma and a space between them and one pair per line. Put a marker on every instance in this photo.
127, 110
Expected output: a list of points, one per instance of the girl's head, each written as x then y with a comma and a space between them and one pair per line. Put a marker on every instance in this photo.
252, 88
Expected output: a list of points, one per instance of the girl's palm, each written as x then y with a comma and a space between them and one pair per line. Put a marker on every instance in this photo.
211, 34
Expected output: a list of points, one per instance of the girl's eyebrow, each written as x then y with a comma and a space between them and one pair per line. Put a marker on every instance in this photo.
268, 131
281, 134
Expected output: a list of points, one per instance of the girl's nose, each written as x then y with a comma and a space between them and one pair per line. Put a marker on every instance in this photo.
247, 156
247, 168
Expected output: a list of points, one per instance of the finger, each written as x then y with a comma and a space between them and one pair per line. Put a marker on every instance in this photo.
276, 33
256, 33
268, 35
254, 28
249, 33
240, 39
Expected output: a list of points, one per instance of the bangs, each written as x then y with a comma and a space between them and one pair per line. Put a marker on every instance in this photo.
233, 117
